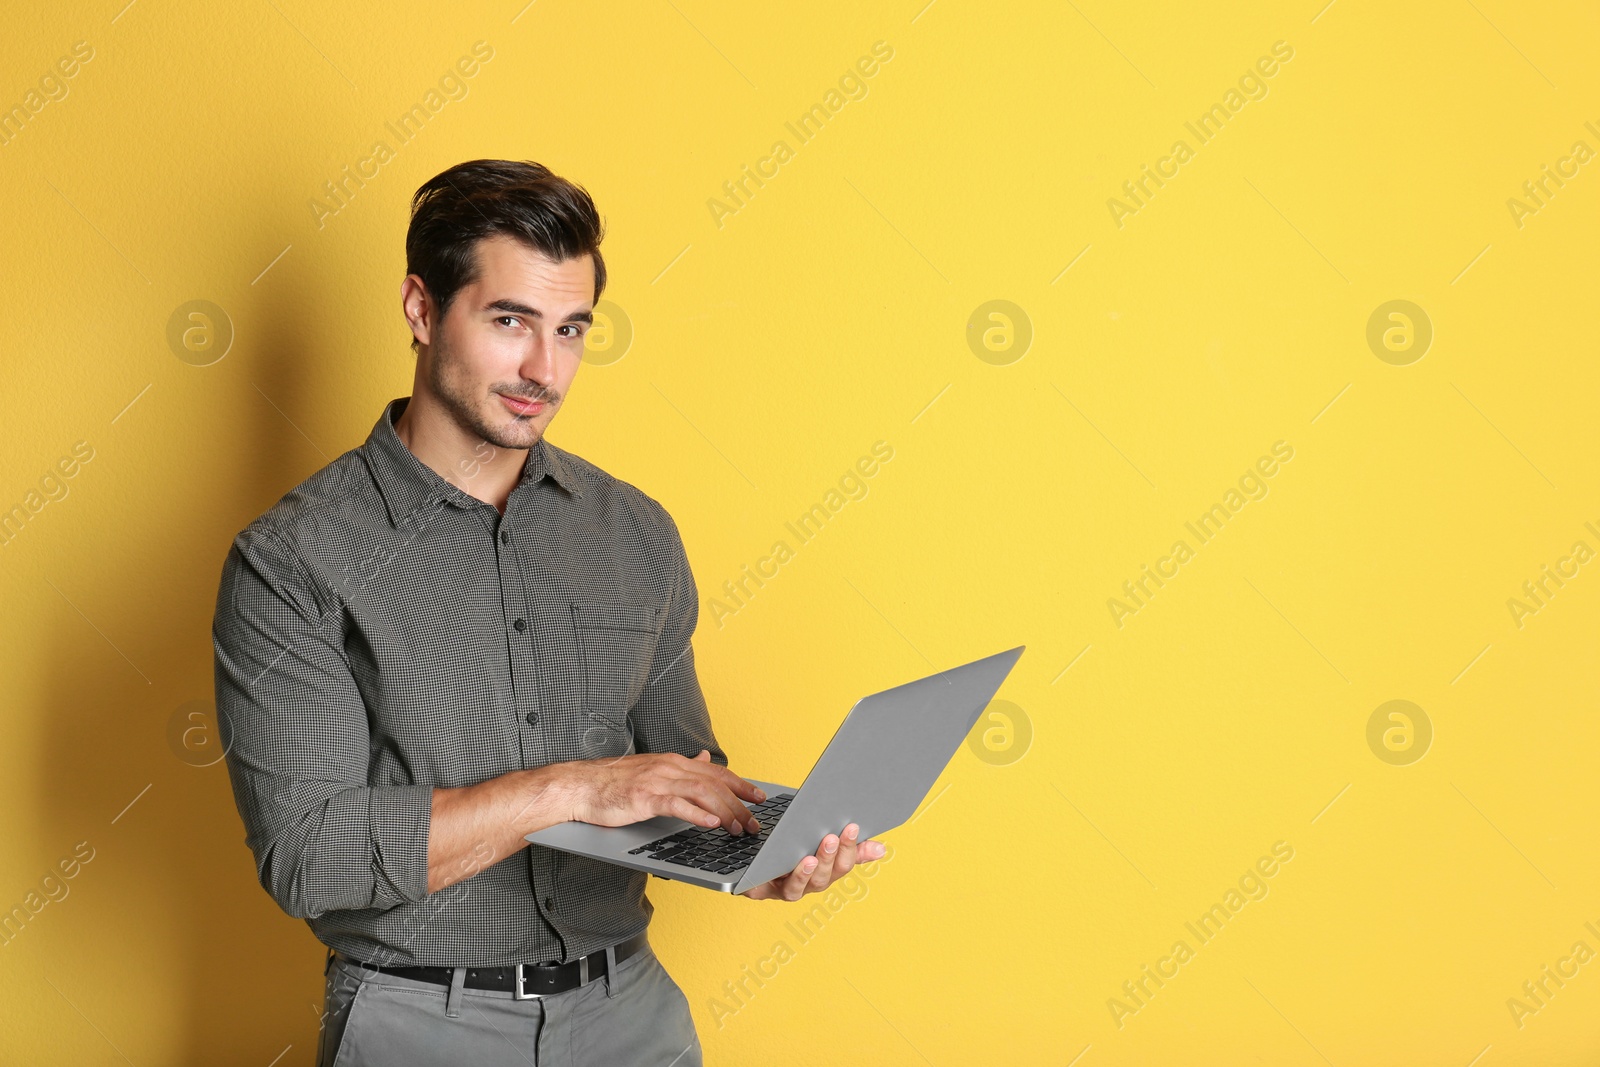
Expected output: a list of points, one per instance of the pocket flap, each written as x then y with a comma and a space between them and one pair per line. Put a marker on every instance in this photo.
618, 614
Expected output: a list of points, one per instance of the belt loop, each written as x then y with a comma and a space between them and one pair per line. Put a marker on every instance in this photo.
458, 982
613, 979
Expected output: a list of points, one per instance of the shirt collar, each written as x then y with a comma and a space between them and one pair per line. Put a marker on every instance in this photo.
410, 485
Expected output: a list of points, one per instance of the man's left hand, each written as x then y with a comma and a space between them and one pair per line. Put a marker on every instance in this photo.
833, 860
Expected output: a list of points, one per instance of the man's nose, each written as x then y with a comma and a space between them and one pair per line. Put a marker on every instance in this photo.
538, 364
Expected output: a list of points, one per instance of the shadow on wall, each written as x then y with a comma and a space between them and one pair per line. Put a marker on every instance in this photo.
237, 924
226, 977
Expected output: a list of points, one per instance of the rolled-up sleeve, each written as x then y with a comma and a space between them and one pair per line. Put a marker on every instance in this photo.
671, 715
296, 734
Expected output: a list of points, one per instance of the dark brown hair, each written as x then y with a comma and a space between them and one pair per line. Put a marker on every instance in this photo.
457, 208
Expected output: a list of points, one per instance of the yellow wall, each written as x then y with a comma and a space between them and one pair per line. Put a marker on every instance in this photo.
1146, 760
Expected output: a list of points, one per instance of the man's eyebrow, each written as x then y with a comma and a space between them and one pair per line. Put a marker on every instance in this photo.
516, 308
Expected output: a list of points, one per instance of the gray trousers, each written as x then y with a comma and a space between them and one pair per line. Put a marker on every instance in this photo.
635, 1014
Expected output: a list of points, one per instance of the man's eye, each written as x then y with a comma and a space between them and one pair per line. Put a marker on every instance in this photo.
507, 318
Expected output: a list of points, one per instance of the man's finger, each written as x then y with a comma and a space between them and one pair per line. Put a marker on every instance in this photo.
846, 859
709, 800
714, 796
822, 874
688, 777
859, 851
681, 807
794, 886
736, 792
744, 790
811, 873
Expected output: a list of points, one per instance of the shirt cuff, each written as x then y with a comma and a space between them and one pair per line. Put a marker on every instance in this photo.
399, 819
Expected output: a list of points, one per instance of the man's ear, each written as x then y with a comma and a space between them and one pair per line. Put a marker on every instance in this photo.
416, 303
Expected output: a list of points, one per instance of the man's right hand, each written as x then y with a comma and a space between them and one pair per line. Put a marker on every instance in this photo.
629, 789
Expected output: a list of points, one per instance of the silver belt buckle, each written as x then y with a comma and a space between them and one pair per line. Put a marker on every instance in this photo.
522, 994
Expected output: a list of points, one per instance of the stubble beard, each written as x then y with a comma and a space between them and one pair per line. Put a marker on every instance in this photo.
456, 394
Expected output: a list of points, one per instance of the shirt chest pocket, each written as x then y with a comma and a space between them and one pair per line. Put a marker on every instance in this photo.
616, 642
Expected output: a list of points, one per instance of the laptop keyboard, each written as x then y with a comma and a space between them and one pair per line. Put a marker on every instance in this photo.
715, 849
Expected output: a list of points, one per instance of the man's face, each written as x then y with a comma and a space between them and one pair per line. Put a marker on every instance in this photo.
514, 334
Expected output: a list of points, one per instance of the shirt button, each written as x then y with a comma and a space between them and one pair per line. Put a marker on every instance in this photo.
505, 537
532, 717
550, 903
519, 626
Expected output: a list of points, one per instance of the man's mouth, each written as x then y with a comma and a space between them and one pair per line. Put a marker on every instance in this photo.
520, 406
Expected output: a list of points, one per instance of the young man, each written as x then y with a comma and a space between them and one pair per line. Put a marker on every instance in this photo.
455, 635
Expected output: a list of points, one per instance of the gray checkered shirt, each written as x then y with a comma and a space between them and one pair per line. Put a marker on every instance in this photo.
380, 632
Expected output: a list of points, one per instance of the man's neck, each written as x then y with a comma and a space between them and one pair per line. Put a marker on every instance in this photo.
463, 459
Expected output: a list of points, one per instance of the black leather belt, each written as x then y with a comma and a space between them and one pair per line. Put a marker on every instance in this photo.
526, 980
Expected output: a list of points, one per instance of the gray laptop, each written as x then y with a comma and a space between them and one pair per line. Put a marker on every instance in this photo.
880, 765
